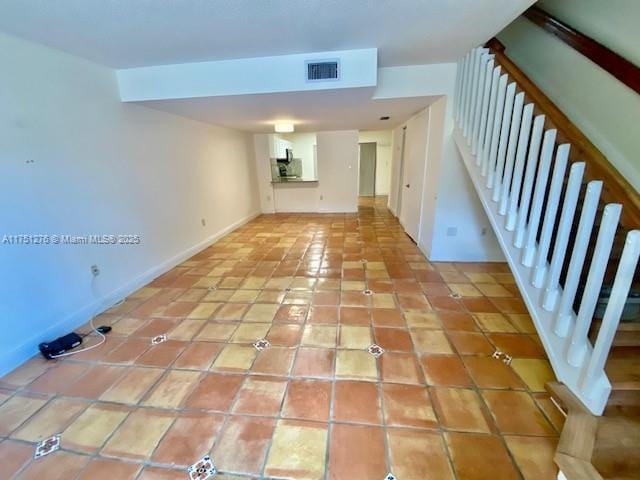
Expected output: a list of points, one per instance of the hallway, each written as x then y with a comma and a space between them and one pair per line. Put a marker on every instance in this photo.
314, 401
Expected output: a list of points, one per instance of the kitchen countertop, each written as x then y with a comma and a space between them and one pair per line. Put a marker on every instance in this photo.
295, 180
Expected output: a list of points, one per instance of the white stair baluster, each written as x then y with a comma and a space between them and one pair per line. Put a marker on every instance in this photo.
458, 89
475, 124
484, 112
551, 211
495, 178
493, 99
606, 235
571, 195
473, 94
538, 196
468, 87
490, 160
578, 253
527, 186
516, 182
511, 152
463, 87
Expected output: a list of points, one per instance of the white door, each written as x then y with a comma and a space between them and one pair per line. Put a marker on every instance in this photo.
415, 150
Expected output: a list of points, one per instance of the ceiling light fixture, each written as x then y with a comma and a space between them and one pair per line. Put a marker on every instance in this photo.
284, 127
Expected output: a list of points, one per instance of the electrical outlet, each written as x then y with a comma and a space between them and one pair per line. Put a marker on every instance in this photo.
321, 197
452, 231
95, 271
203, 221
483, 232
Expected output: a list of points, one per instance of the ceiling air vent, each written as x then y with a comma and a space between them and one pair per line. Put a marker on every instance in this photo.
323, 70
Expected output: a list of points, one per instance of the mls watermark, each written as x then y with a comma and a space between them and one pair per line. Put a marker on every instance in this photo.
62, 239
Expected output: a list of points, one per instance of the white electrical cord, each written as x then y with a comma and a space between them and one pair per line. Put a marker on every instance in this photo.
86, 349
93, 328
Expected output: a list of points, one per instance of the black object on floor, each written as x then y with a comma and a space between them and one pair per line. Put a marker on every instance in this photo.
60, 345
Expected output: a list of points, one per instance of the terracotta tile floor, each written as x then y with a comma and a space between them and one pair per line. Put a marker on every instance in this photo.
315, 404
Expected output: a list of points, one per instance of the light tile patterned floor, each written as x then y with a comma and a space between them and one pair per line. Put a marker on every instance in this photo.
315, 404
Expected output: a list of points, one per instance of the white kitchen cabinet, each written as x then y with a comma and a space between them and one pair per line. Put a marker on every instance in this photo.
278, 147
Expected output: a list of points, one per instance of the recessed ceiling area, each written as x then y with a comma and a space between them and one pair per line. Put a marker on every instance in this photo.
129, 33
348, 109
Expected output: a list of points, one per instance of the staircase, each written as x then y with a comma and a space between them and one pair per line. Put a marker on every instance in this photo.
567, 223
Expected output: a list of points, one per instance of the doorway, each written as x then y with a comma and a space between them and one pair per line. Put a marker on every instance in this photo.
367, 178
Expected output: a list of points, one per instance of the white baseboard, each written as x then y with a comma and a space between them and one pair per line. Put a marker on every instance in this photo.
296, 210
29, 347
334, 210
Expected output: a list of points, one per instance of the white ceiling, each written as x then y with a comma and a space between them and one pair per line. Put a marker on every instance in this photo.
345, 109
128, 33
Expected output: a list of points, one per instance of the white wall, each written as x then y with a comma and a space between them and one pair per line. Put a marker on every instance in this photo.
262, 155
338, 171
282, 73
461, 229
99, 167
383, 139
296, 197
432, 178
449, 201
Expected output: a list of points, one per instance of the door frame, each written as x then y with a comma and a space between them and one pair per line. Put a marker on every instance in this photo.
401, 173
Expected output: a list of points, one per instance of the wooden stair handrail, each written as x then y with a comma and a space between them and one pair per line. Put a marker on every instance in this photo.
604, 57
616, 188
